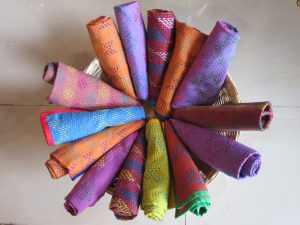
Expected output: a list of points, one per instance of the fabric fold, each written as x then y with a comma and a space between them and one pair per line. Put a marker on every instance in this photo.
109, 51
156, 179
67, 125
160, 41
76, 89
93, 184
191, 193
126, 197
234, 117
205, 78
75, 158
133, 35
221, 153
188, 42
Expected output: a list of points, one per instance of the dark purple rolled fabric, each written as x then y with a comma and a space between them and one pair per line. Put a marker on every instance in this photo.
221, 153
133, 35
93, 184
205, 78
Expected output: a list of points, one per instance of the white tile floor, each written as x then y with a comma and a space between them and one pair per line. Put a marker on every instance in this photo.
266, 67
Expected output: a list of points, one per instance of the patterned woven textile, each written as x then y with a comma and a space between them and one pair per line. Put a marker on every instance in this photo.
160, 41
133, 35
64, 126
93, 184
156, 179
188, 42
76, 157
76, 89
109, 51
190, 189
221, 153
205, 78
125, 200
242, 116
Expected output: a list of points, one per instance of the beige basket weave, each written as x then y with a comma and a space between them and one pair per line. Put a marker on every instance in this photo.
227, 95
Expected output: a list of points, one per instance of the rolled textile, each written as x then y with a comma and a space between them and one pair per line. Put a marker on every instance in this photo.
76, 157
133, 36
76, 89
233, 117
205, 79
109, 51
67, 125
126, 197
188, 42
156, 179
160, 41
221, 153
93, 184
190, 189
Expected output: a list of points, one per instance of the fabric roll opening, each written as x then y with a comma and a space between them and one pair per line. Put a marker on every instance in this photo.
50, 72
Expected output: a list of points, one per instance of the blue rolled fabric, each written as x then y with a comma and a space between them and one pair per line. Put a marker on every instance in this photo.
68, 125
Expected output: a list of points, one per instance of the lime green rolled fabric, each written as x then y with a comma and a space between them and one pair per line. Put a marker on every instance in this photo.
156, 180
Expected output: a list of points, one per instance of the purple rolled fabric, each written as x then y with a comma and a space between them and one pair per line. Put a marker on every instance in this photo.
221, 153
205, 78
133, 35
93, 184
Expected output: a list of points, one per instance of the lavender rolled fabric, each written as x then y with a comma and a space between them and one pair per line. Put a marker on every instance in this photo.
133, 35
205, 78
221, 153
93, 184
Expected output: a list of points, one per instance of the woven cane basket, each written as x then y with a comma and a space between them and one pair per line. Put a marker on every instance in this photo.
228, 95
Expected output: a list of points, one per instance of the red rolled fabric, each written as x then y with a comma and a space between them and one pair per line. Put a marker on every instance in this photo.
234, 117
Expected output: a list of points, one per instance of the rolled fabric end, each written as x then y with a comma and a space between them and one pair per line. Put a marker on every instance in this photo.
71, 208
155, 212
251, 166
228, 28
50, 72
98, 20
266, 116
55, 169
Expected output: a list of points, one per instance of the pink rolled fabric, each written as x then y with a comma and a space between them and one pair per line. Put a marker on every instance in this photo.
221, 153
93, 184
160, 41
205, 78
76, 89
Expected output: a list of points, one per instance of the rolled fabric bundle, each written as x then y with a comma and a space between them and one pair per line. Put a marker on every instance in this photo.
206, 77
67, 125
93, 184
133, 36
156, 179
234, 117
75, 158
221, 153
125, 199
160, 41
188, 42
76, 89
109, 51
190, 189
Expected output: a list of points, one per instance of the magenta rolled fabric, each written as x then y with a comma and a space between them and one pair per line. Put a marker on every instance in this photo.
76, 89
93, 184
205, 78
221, 153
160, 41
133, 35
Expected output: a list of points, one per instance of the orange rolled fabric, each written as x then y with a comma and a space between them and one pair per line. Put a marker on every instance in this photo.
109, 51
188, 42
76, 157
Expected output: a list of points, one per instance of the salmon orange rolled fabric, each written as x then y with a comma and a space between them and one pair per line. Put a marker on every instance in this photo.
133, 34
188, 43
76, 89
234, 117
76, 157
205, 79
160, 41
93, 184
109, 51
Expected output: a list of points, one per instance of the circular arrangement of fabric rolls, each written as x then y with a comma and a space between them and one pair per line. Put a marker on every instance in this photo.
141, 135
